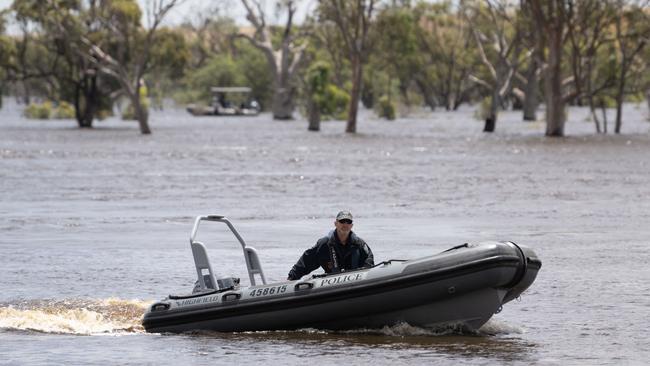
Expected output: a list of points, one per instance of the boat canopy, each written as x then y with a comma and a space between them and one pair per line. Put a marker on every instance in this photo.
230, 89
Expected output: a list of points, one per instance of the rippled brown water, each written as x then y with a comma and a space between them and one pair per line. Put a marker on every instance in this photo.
94, 226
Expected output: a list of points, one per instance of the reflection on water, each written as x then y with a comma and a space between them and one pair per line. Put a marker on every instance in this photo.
402, 337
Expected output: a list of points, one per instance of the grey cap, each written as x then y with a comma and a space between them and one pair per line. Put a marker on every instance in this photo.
343, 215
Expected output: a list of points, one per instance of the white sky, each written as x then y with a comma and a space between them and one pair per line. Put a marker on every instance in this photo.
189, 9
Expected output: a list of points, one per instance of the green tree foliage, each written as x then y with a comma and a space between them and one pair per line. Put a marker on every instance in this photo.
323, 98
448, 56
47, 110
126, 54
498, 40
170, 56
220, 70
326, 44
395, 42
7, 54
217, 58
38, 110
64, 111
632, 30
353, 21
283, 48
210, 36
87, 53
331, 100
386, 108
7, 47
254, 68
52, 31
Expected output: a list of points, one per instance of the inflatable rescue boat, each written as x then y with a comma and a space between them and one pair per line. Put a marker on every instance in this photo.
463, 286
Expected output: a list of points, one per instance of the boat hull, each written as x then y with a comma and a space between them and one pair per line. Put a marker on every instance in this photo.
461, 287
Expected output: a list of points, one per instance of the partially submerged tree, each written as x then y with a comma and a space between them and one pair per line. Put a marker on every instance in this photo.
447, 55
584, 23
32, 68
551, 18
316, 84
209, 33
67, 74
501, 60
353, 20
329, 40
396, 47
323, 98
632, 35
126, 55
526, 84
283, 60
591, 66
6, 54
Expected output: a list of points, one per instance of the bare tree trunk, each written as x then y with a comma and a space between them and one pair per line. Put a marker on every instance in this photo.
647, 95
603, 108
283, 98
449, 95
555, 103
628, 53
85, 101
313, 112
27, 98
619, 102
354, 96
551, 18
353, 19
620, 90
284, 62
426, 93
141, 113
592, 109
531, 90
143, 120
491, 119
502, 66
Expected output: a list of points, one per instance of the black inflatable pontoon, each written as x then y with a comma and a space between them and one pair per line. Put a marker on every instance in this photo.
463, 286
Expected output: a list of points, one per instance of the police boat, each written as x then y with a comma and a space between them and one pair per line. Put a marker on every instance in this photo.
462, 286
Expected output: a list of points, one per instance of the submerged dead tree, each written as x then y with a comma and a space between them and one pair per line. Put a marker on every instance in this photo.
284, 60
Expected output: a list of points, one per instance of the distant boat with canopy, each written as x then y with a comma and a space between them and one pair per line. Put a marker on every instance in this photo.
228, 101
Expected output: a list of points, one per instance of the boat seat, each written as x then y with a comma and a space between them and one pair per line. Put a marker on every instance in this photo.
206, 278
254, 265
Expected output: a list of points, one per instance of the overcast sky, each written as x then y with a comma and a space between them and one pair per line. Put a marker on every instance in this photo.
232, 8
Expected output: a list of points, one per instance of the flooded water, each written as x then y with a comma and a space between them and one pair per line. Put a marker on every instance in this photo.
94, 226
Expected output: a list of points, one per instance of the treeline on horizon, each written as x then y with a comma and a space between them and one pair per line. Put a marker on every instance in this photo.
387, 55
